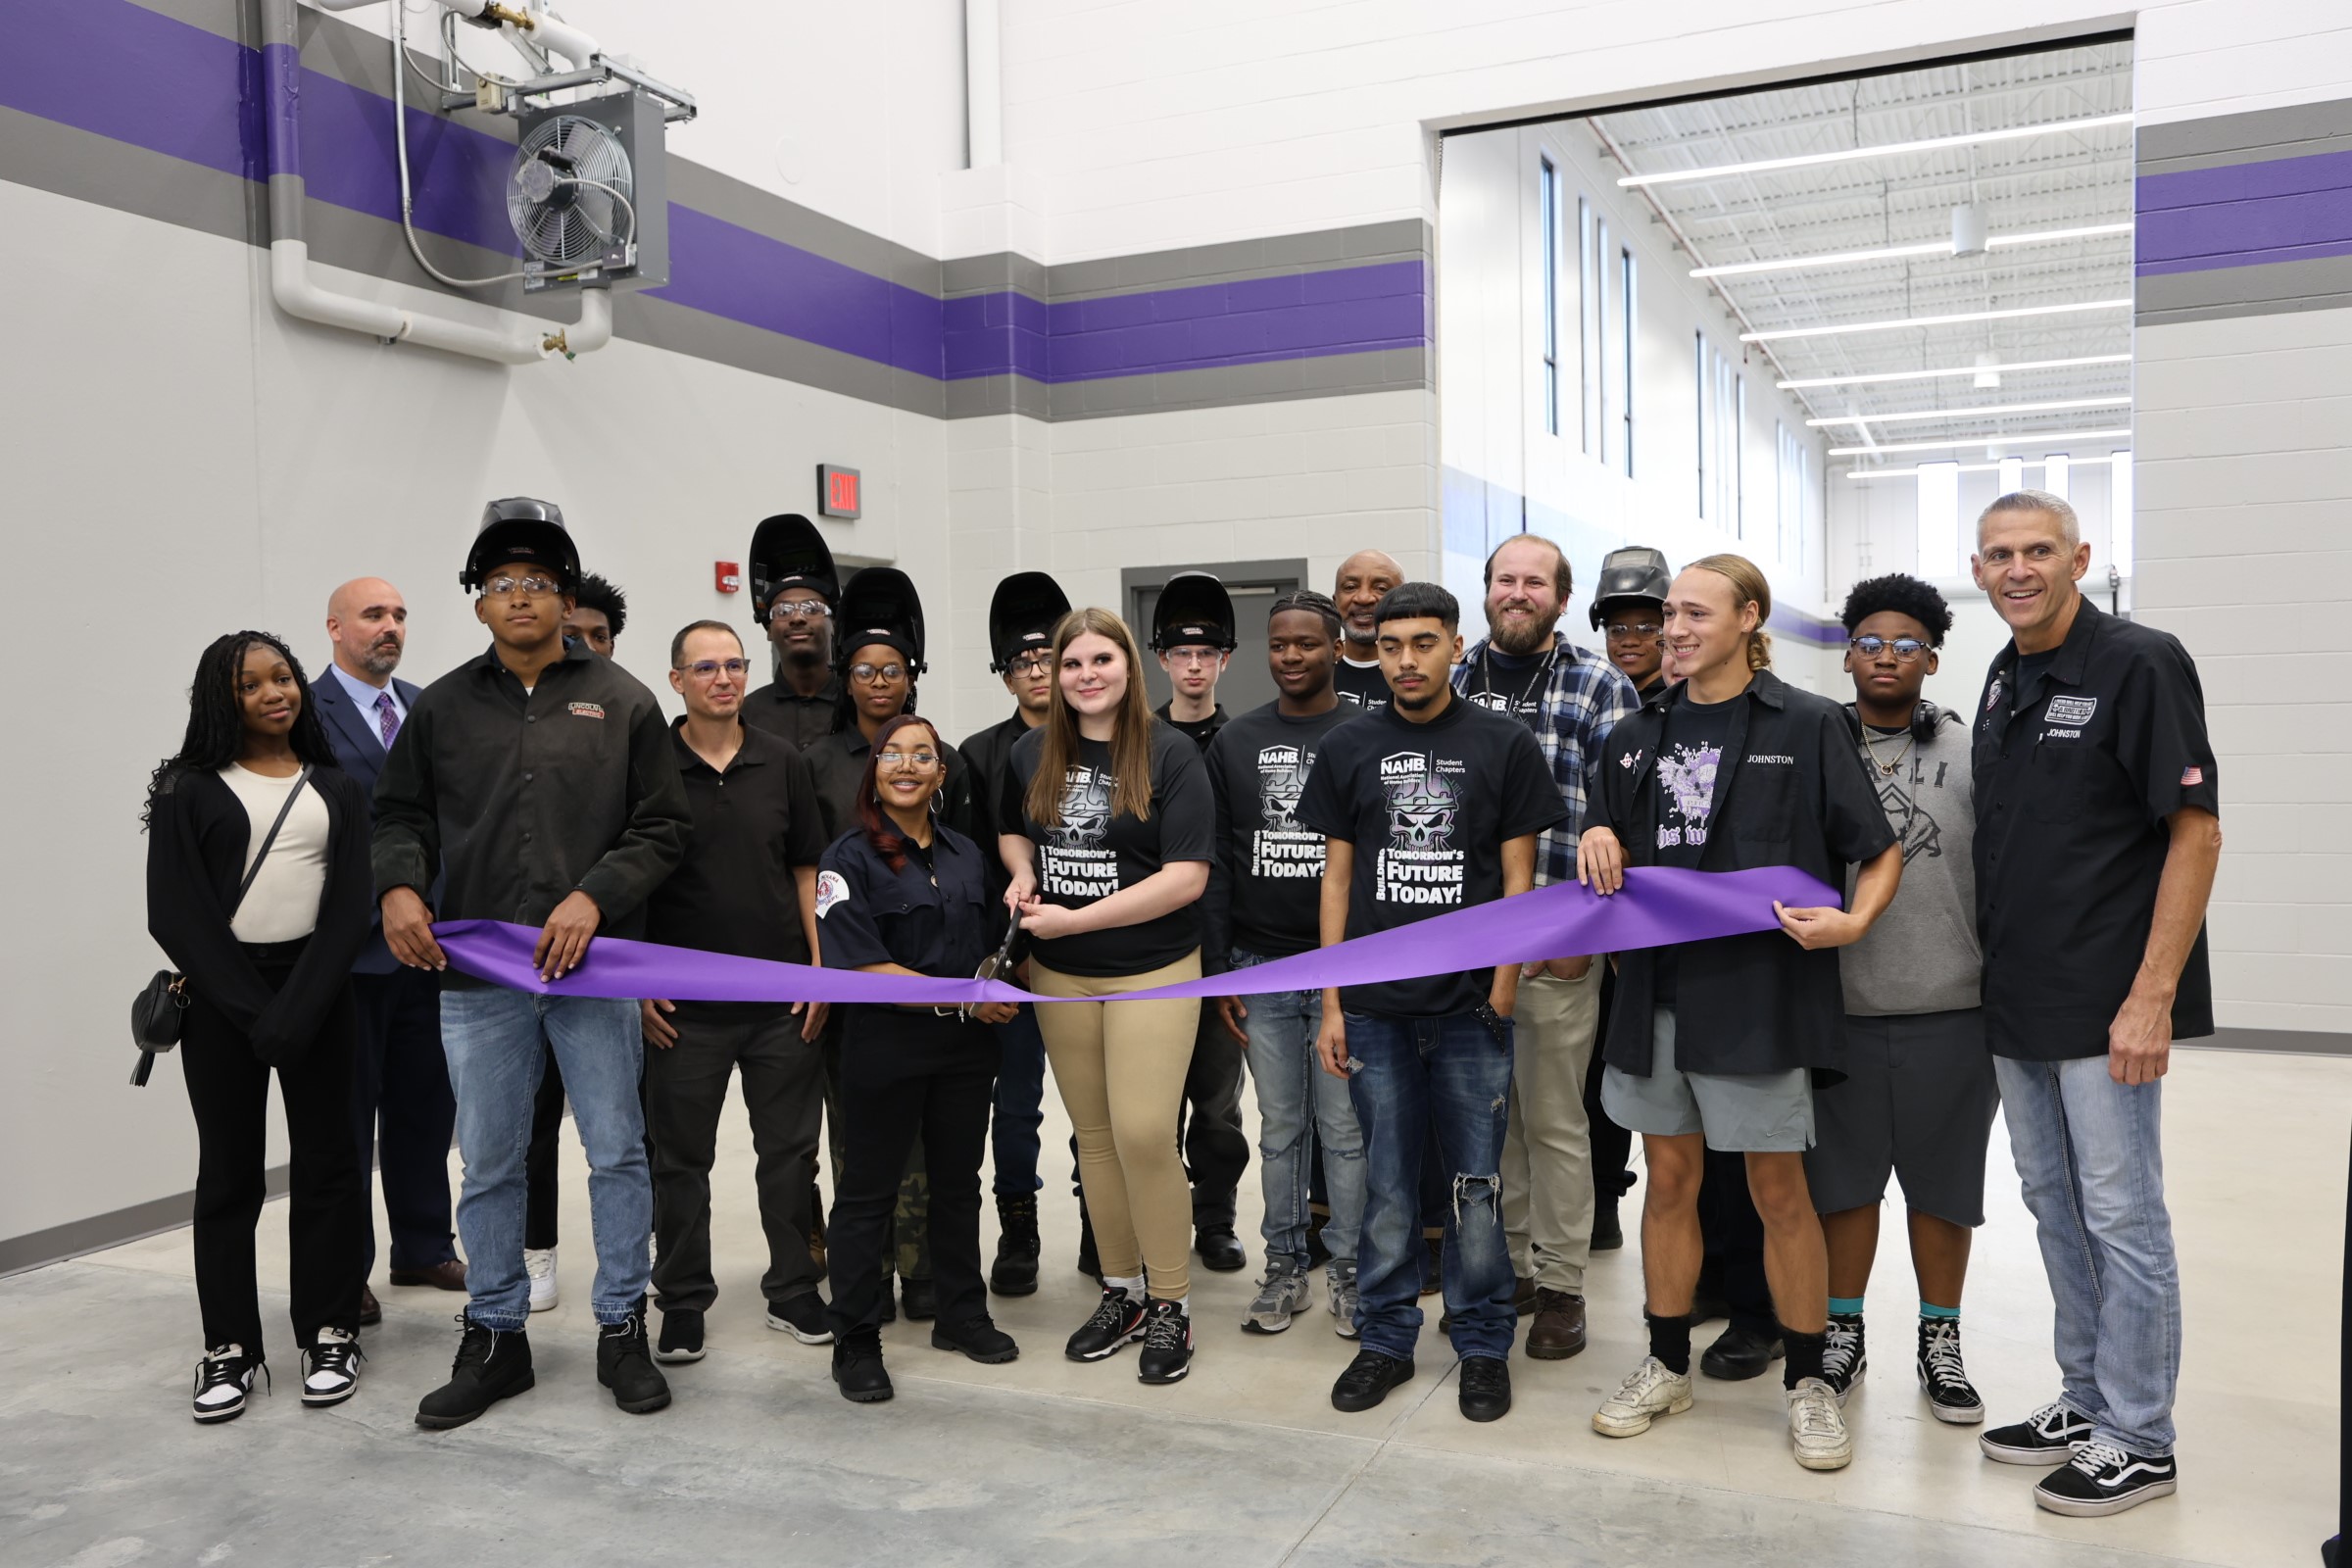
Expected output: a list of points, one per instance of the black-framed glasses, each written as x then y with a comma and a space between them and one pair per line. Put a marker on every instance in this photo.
1648, 631
922, 762
706, 670
502, 585
1906, 649
800, 610
1032, 665
870, 673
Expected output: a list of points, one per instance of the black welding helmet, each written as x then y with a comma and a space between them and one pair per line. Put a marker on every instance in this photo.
879, 604
1637, 572
1022, 618
1194, 608
787, 552
521, 528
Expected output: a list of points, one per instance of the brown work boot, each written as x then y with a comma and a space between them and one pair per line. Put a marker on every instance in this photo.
1558, 1331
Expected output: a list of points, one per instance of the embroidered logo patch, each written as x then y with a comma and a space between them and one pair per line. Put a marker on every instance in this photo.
831, 888
1992, 696
587, 709
2192, 777
2070, 710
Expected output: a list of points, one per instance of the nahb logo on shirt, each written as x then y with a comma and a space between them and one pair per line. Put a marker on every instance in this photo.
831, 888
587, 709
2075, 710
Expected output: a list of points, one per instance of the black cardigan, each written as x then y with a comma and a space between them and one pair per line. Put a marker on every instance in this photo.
196, 841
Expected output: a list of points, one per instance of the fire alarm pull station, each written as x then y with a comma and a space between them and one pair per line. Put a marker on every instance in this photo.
730, 577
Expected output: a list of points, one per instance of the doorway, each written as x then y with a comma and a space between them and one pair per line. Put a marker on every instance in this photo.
1253, 585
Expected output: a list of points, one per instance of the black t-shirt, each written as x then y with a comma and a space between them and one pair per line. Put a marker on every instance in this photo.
1265, 888
1200, 730
1509, 683
1362, 685
1426, 808
2030, 667
1689, 760
1095, 852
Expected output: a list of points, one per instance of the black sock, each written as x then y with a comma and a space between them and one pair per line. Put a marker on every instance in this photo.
1805, 1356
1670, 1341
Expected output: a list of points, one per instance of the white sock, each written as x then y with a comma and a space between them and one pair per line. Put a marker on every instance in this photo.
1132, 1287
1184, 1304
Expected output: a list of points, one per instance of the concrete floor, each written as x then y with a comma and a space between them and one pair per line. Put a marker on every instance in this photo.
1243, 1464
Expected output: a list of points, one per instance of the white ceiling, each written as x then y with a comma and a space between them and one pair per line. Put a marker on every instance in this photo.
2061, 179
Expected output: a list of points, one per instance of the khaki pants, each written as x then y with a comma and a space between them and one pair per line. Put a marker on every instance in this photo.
1120, 1068
1547, 1151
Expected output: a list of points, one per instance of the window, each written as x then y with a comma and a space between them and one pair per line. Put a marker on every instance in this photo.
1788, 511
1591, 240
1624, 312
1738, 434
1547, 203
1722, 398
1938, 520
1702, 378
2053, 476
2013, 476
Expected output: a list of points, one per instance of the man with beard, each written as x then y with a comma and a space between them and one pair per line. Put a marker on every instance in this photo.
795, 591
401, 1104
1362, 579
1571, 699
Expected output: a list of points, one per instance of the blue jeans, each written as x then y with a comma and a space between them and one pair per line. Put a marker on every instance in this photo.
494, 1042
1021, 1104
1300, 1107
1452, 1077
2089, 1154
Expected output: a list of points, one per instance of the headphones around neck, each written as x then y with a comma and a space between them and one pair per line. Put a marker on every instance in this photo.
1924, 720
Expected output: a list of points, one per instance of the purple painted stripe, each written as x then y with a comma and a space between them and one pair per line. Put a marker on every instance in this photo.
123, 72
2244, 214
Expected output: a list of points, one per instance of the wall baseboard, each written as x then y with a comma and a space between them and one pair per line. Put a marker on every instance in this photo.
99, 1232
2296, 1042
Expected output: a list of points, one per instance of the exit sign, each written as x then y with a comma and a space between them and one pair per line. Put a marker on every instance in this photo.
840, 492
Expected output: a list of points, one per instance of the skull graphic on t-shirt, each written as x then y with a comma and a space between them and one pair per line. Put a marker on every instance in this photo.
1085, 809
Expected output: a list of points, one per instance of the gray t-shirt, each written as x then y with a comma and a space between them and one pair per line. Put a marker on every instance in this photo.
1923, 955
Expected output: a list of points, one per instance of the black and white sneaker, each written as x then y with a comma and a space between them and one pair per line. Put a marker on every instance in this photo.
804, 1316
330, 1368
1844, 1359
681, 1336
1118, 1320
1951, 1398
2049, 1436
223, 1380
2102, 1479
1167, 1343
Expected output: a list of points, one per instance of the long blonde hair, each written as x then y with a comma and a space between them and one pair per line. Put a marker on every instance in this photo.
1747, 587
1130, 736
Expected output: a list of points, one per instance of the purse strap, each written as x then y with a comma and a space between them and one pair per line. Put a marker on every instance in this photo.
284, 811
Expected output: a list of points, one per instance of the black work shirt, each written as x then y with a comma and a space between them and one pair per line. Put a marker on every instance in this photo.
1428, 808
1790, 790
803, 721
2077, 770
753, 825
836, 768
1361, 685
987, 770
1097, 850
1265, 887
1200, 730
525, 798
931, 914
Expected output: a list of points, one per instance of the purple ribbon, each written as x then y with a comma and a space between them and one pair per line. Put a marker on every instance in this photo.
1659, 907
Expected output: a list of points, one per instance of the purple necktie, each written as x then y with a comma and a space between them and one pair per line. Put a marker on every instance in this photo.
387, 720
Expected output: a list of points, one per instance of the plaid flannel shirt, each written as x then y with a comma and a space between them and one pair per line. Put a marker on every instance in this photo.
1582, 703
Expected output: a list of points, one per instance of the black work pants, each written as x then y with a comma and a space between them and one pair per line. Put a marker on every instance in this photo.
685, 1091
228, 1090
904, 1076
539, 1159
1612, 1145
1216, 1151
403, 1113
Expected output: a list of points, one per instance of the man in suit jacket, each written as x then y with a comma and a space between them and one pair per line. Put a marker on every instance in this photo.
402, 1108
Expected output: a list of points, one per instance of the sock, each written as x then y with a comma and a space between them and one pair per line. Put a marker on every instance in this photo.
1805, 1356
1184, 1304
1132, 1287
1670, 1341
1929, 1309
1847, 1307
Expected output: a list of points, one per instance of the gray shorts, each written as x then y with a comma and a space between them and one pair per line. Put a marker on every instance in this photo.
1917, 1103
1741, 1113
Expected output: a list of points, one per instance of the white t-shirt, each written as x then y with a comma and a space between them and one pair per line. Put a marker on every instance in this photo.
283, 901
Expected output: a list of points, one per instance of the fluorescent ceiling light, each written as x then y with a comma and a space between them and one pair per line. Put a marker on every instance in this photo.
1890, 149
1942, 247
1988, 439
1970, 413
1957, 369
1958, 467
1936, 321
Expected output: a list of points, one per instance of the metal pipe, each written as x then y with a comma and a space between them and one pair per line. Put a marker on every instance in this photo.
983, 83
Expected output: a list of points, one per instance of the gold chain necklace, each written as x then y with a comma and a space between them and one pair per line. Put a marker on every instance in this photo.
1871, 749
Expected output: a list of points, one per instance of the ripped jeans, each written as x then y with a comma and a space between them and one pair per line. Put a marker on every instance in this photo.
1452, 1076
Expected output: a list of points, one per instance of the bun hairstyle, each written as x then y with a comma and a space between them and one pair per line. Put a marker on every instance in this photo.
1131, 732
1747, 587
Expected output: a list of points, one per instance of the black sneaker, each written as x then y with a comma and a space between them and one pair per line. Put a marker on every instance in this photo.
1951, 1398
492, 1364
1740, 1352
857, 1368
1485, 1388
2102, 1479
1014, 1271
330, 1368
1843, 1358
1167, 1343
223, 1378
1118, 1320
625, 1363
2049, 1436
921, 1300
804, 1317
681, 1336
1368, 1380
980, 1341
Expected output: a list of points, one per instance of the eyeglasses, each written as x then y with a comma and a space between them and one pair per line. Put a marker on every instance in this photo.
1647, 632
874, 672
705, 669
921, 762
502, 586
1192, 655
1033, 666
1906, 649
800, 610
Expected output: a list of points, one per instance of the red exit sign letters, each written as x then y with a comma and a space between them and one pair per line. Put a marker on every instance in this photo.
840, 492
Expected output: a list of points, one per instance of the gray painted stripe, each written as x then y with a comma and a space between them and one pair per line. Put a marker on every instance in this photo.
75, 164
2300, 1041
1378, 370
2321, 283
2221, 140
1277, 256
981, 395
963, 276
75, 1238
682, 329
747, 206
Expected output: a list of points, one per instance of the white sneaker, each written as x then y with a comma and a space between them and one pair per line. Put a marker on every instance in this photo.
540, 1264
330, 1368
1817, 1427
1648, 1392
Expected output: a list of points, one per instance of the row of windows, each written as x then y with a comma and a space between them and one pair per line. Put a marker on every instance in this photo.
1943, 545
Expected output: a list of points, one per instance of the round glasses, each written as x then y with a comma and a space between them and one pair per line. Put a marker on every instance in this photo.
1906, 649
920, 762
869, 673
710, 669
799, 610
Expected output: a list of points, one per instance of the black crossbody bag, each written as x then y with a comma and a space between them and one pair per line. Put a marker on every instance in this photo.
155, 1021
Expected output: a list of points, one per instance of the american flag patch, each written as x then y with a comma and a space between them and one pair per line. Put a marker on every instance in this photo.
2190, 777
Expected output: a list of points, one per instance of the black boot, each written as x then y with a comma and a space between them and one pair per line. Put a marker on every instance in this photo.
921, 1300
492, 1364
625, 1363
858, 1367
1015, 1272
